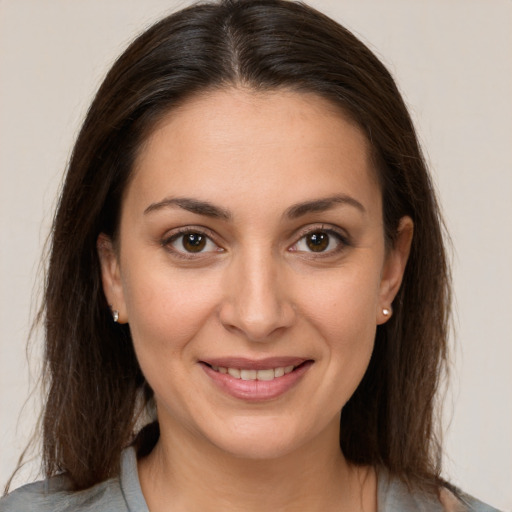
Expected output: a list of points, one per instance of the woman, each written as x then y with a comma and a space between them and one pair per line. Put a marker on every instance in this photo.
244, 248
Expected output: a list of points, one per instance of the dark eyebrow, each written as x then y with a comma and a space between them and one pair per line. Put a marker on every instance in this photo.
322, 205
210, 210
192, 205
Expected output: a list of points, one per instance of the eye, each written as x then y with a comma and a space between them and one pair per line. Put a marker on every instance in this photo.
191, 242
319, 241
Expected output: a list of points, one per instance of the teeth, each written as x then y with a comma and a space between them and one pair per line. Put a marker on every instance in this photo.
234, 372
265, 374
248, 374
268, 374
279, 372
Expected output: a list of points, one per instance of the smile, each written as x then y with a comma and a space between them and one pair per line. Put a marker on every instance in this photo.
249, 374
256, 381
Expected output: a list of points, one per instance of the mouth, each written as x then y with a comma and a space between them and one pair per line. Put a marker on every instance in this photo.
252, 380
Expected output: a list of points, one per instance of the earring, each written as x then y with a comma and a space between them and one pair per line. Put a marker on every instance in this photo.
386, 312
115, 315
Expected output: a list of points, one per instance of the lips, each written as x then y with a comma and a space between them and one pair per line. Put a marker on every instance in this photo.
256, 380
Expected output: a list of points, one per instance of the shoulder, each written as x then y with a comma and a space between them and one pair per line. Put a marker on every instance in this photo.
55, 495
461, 502
394, 496
122, 493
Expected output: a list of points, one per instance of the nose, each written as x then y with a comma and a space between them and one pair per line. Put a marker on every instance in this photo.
256, 302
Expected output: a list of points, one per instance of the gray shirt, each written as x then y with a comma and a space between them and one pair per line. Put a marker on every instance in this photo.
123, 494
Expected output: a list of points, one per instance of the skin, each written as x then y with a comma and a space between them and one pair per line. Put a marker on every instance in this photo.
256, 290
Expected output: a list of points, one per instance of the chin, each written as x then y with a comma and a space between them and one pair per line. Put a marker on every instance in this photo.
262, 439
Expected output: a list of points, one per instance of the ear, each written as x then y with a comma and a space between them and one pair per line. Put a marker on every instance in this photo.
394, 268
111, 276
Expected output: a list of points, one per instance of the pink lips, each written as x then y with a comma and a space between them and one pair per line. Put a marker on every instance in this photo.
256, 390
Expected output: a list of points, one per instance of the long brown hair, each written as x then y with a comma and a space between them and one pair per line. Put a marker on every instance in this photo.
95, 386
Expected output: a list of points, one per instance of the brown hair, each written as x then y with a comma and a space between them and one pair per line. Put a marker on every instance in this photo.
95, 386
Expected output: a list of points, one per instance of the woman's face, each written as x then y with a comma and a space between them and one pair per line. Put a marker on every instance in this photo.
252, 269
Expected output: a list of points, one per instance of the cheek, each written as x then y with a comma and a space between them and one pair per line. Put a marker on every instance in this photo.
166, 308
343, 303
341, 309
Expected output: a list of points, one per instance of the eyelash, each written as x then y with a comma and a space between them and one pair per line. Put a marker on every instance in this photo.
341, 240
168, 242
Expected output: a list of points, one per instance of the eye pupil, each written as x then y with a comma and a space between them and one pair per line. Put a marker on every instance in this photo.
194, 242
318, 241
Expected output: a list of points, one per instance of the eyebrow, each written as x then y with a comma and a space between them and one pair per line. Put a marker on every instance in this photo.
298, 210
322, 205
192, 205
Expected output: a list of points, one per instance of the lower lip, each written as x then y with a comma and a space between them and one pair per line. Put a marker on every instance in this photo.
257, 390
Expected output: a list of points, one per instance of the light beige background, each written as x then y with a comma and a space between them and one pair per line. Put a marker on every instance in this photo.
453, 62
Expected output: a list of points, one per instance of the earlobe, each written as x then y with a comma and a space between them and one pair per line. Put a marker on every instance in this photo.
394, 268
111, 277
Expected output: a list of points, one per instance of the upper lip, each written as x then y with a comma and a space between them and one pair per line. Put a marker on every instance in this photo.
254, 364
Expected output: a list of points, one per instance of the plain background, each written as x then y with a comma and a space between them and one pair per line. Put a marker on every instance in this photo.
452, 60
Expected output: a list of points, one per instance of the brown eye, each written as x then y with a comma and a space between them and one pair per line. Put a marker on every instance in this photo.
194, 242
318, 241
325, 241
191, 242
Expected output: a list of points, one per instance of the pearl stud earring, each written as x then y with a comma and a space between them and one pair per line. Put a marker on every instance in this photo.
386, 312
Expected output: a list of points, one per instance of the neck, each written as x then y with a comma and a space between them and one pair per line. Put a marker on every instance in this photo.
192, 474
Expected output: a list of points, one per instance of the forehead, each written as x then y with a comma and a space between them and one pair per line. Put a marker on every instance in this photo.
237, 141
